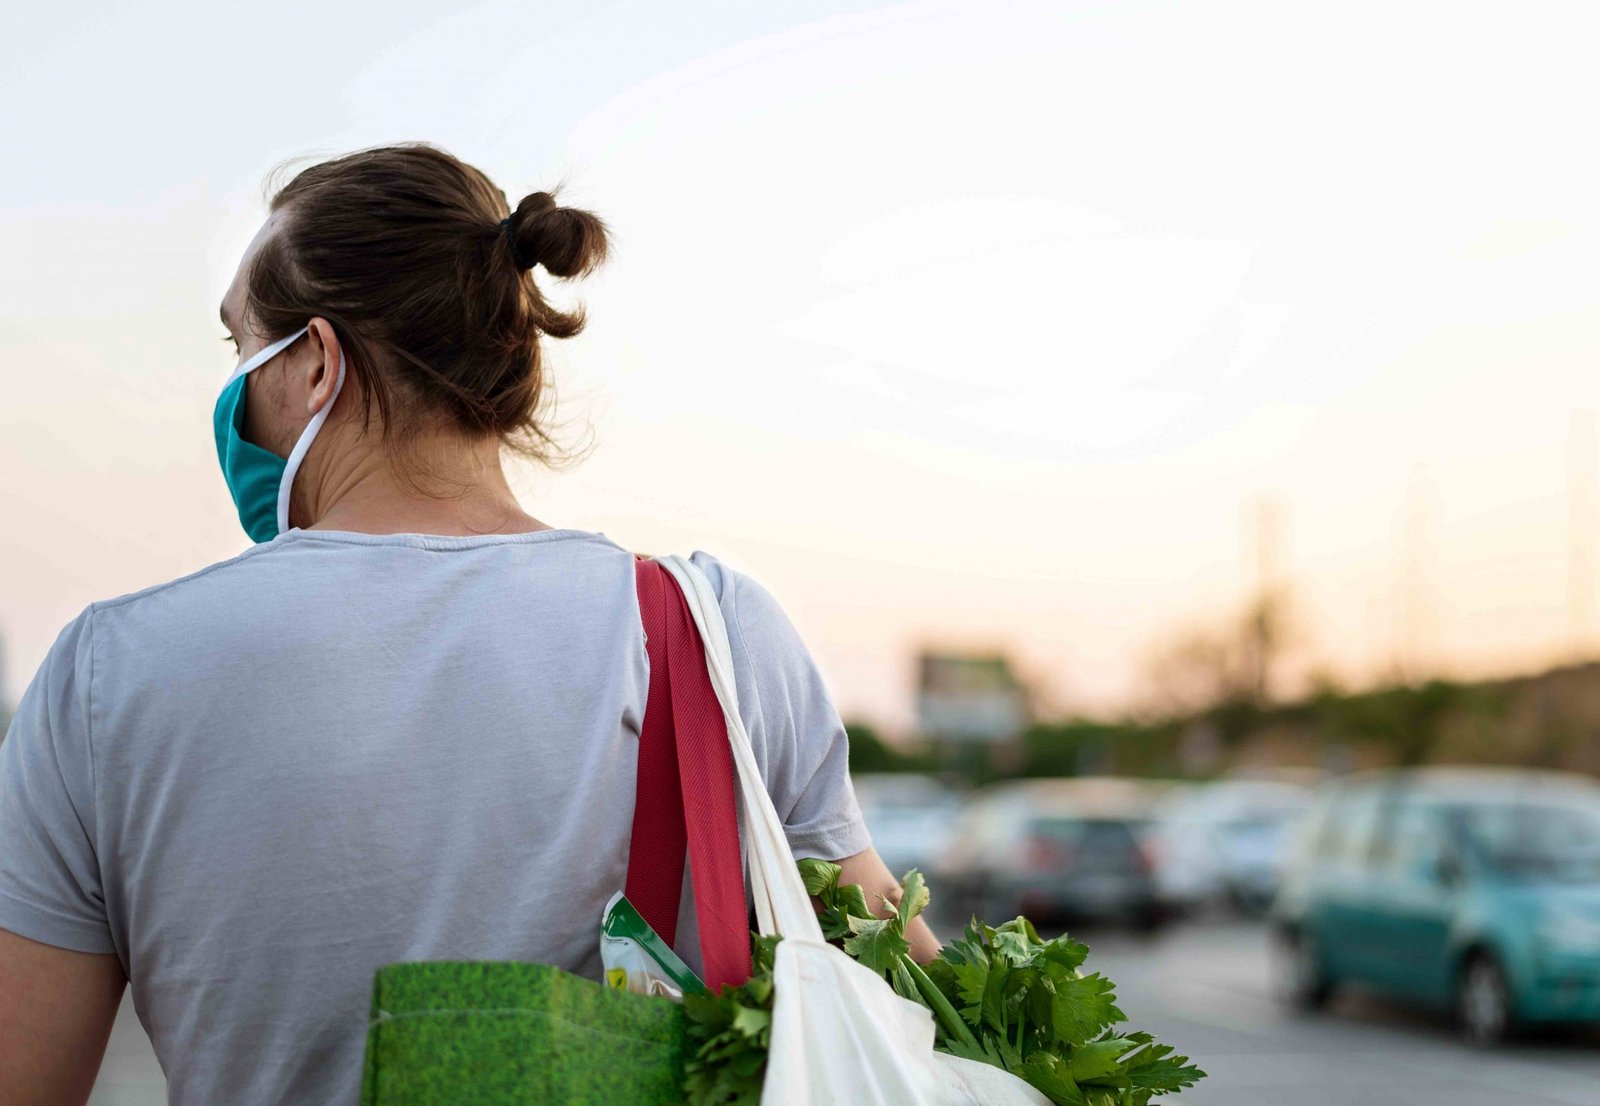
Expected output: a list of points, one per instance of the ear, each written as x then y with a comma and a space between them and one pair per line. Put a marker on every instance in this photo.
323, 375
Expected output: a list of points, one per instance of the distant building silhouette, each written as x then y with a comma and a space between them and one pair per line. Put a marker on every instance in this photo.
970, 698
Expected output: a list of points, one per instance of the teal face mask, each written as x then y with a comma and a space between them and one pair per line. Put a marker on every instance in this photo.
259, 479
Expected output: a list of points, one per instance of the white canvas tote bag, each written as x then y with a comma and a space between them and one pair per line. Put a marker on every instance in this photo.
839, 1032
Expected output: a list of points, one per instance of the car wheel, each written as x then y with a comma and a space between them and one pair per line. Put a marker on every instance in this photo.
1299, 980
1483, 1002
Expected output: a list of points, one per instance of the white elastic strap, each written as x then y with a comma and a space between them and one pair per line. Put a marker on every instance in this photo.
782, 904
298, 454
262, 356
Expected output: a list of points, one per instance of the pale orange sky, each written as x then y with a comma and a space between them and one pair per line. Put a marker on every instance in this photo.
971, 323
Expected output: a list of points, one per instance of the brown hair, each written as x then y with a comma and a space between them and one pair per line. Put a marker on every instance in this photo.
402, 248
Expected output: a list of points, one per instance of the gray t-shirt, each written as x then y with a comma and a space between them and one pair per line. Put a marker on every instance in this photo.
258, 783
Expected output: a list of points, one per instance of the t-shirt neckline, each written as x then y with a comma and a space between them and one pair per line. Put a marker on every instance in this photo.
438, 541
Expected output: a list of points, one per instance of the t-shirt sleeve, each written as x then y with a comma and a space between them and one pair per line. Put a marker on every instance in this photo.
50, 887
795, 730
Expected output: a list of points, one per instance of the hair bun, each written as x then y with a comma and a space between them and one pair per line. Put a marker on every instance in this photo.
566, 241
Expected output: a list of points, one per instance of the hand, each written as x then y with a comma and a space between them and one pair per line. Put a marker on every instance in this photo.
868, 869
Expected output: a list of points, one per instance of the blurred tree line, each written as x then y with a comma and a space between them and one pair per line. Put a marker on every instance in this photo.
1551, 719
1215, 695
1070, 748
1213, 704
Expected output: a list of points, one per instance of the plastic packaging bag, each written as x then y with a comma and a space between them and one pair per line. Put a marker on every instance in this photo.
635, 957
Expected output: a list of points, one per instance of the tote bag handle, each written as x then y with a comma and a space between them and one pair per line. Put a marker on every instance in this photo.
685, 789
781, 904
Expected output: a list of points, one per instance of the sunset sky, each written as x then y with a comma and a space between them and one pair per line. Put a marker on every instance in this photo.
973, 324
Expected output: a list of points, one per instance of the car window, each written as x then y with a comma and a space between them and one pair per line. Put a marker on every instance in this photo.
1085, 833
1306, 837
1413, 843
1086, 844
1547, 836
1349, 829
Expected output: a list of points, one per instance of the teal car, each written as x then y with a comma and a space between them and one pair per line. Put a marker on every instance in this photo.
1475, 891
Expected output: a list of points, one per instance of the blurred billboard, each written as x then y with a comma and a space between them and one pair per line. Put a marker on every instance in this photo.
973, 698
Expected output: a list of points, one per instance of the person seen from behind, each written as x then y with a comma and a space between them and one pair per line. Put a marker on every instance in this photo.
401, 726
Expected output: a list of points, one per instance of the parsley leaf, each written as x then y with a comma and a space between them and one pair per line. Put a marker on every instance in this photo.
1000, 995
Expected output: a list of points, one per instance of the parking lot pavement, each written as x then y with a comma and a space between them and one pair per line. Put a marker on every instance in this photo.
1203, 988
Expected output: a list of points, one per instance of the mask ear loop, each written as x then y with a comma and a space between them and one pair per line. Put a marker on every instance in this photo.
298, 454
263, 356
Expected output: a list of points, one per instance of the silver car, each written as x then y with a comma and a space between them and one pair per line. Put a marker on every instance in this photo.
1063, 849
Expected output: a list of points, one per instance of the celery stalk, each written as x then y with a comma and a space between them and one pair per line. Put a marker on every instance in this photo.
942, 1010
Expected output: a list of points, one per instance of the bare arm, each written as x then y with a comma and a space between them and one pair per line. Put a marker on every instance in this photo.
56, 1010
868, 869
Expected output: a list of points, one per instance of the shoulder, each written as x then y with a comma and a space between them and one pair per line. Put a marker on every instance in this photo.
152, 635
800, 742
69, 657
780, 668
221, 574
750, 608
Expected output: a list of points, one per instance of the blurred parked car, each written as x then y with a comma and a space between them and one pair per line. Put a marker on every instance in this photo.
1225, 841
910, 816
1476, 890
1054, 850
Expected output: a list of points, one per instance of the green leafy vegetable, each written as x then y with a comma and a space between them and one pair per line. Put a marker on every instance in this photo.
1000, 995
1040, 1017
876, 942
913, 898
732, 1030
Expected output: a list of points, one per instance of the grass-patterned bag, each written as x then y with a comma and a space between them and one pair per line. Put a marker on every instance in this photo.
498, 1033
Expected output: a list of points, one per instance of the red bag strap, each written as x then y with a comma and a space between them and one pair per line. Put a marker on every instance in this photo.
684, 790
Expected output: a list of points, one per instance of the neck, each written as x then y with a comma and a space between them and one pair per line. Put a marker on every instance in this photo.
457, 487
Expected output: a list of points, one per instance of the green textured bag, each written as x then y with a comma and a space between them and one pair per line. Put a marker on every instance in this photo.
510, 1033
446, 1032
